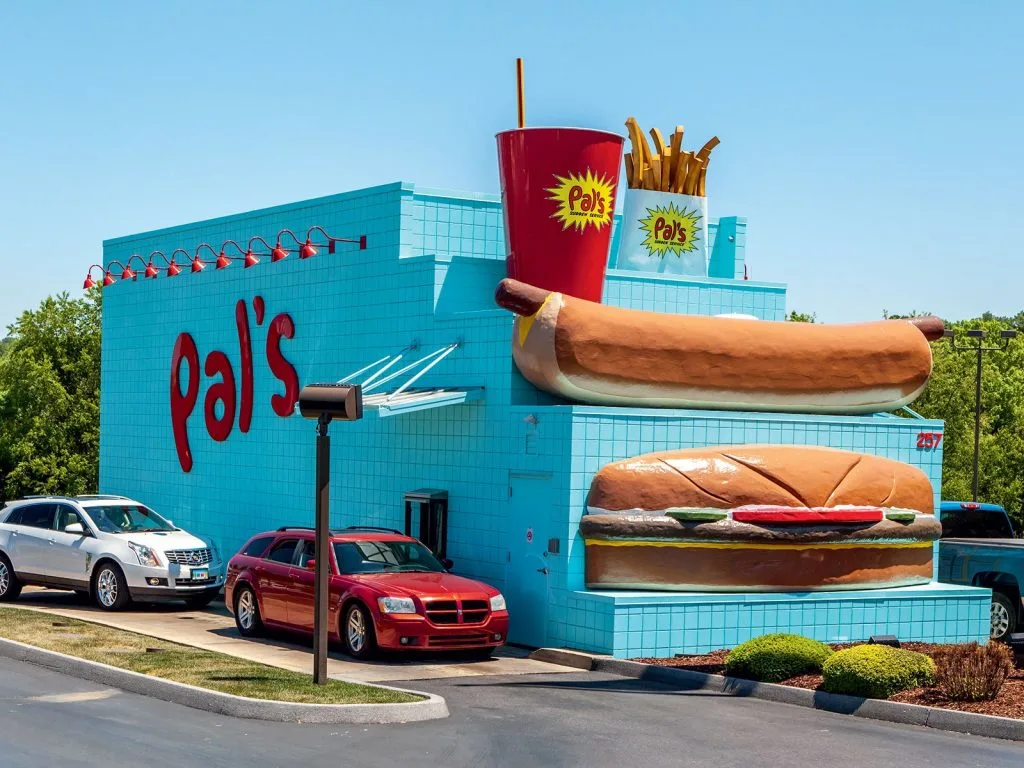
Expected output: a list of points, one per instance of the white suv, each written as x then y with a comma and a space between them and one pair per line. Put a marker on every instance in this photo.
109, 547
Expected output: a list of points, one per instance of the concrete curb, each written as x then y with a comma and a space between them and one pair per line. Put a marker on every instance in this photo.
875, 709
433, 707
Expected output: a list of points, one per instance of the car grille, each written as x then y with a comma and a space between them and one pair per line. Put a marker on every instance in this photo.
188, 556
458, 641
443, 612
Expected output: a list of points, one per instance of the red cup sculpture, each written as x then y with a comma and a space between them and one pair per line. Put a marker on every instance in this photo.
558, 188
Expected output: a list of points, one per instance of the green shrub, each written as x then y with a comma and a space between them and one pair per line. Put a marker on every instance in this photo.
876, 671
778, 657
972, 672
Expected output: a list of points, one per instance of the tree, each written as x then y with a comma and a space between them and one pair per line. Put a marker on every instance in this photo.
801, 317
49, 398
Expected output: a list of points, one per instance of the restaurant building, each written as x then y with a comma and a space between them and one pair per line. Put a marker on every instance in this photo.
201, 371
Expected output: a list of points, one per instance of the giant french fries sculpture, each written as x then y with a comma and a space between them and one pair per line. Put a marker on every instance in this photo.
594, 353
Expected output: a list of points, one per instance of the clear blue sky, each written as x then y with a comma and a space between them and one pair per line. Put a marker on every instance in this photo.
875, 147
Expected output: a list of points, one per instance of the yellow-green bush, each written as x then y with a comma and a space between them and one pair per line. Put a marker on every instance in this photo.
777, 657
876, 671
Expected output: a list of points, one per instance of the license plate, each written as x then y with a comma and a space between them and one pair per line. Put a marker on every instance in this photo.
200, 574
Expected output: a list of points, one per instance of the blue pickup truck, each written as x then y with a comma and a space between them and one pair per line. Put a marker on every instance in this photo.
980, 548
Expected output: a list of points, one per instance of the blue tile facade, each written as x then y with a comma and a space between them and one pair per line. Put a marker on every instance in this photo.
516, 463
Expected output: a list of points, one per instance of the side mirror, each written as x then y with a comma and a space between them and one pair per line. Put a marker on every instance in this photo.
74, 528
448, 564
310, 565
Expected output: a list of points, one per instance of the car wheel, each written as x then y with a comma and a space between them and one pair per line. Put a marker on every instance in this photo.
197, 602
247, 613
1004, 616
110, 589
357, 633
10, 587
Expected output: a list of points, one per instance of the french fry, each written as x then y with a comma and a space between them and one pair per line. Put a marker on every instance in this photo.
660, 170
666, 169
635, 139
701, 179
629, 171
692, 172
705, 151
682, 170
675, 148
656, 169
649, 182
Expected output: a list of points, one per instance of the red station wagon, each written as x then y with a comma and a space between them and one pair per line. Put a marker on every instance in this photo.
387, 591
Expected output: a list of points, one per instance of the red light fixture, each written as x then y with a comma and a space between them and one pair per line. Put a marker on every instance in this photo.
89, 282
197, 265
173, 268
223, 261
279, 252
151, 270
108, 279
251, 260
307, 250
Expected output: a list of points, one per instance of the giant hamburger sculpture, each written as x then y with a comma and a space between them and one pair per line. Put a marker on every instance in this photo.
758, 518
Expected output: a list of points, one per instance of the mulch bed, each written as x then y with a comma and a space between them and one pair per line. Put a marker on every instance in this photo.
1009, 702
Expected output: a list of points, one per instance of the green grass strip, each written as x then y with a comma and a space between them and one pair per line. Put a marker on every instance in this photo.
181, 663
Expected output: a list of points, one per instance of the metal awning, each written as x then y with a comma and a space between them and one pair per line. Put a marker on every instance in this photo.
406, 398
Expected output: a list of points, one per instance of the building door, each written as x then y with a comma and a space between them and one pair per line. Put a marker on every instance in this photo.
526, 572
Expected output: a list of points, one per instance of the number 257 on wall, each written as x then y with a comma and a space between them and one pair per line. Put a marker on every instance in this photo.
929, 440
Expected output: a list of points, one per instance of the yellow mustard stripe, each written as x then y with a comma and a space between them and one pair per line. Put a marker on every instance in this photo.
722, 545
526, 323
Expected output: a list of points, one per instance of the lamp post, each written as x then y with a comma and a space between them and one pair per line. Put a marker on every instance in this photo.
325, 402
979, 349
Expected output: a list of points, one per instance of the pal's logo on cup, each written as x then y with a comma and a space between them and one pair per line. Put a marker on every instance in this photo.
583, 200
664, 232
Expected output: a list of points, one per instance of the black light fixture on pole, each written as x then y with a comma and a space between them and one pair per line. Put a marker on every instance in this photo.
979, 348
325, 402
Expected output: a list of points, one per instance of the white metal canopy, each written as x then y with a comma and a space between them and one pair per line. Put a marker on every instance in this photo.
406, 398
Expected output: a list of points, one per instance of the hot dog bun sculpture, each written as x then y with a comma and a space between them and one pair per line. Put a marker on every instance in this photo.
758, 518
594, 353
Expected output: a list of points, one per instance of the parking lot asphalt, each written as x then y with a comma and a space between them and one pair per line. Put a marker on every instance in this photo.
214, 629
573, 719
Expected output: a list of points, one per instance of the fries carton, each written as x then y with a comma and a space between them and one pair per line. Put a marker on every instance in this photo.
665, 221
664, 232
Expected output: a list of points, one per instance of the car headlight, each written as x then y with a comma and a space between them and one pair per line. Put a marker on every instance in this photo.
498, 603
396, 605
146, 555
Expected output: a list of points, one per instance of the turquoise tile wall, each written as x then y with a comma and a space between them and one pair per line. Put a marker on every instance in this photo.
634, 625
419, 284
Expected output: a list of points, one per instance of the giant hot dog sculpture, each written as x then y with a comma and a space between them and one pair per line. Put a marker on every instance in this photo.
758, 518
594, 353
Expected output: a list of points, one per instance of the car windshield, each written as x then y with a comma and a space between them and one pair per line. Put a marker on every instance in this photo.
385, 557
975, 524
127, 518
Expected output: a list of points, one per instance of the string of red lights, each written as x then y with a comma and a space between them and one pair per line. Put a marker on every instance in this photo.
221, 260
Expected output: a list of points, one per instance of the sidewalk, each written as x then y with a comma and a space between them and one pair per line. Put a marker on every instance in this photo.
213, 629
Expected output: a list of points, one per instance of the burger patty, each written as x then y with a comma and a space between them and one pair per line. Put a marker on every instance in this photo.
612, 526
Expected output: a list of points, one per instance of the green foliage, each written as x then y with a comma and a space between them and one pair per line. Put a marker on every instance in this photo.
950, 396
972, 672
876, 671
801, 317
777, 657
49, 398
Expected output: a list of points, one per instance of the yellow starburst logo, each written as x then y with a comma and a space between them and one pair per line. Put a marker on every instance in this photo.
671, 230
583, 199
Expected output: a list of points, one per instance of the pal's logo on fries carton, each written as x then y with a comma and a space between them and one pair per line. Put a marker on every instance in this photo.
665, 221
664, 232
582, 200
